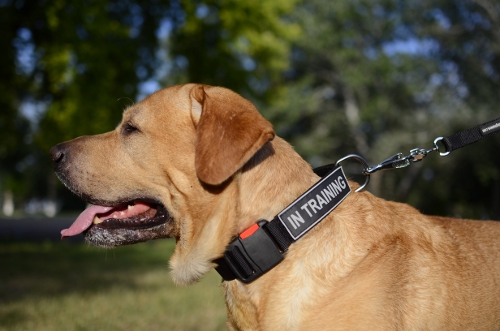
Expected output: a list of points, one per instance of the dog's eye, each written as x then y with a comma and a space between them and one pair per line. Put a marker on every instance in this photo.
129, 128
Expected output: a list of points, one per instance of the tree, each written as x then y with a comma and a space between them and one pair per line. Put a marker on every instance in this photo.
334, 77
382, 77
466, 40
242, 45
74, 60
80, 62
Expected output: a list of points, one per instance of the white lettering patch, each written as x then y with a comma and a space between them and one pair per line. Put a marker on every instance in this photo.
312, 206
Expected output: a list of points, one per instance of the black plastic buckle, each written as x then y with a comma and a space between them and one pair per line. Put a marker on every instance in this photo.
251, 257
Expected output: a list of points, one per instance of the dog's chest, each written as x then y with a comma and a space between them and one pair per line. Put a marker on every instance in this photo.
266, 307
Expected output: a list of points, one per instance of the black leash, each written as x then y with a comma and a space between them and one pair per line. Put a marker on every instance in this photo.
450, 143
470, 136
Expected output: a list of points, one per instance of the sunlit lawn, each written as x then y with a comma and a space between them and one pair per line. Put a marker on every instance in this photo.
63, 286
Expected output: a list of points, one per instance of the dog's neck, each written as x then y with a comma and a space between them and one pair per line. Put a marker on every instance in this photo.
264, 194
276, 175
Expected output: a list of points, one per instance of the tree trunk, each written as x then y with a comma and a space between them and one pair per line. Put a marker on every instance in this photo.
8, 203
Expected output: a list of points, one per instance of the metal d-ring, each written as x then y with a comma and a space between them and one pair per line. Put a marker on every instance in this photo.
436, 146
365, 167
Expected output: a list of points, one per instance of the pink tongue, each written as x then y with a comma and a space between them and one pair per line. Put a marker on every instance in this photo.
85, 219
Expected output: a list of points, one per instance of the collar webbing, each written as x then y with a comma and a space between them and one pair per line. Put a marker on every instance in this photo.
261, 247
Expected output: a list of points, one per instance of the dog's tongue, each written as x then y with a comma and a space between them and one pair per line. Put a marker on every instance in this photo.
85, 219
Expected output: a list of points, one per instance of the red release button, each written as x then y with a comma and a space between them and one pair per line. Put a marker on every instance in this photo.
248, 232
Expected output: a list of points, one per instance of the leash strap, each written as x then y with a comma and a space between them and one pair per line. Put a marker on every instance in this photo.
450, 143
471, 135
262, 246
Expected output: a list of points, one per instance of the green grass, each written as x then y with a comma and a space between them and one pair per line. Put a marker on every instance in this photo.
62, 286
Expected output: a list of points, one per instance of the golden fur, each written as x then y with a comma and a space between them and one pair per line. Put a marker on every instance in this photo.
213, 161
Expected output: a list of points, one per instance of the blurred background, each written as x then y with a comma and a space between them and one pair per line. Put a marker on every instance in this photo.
334, 77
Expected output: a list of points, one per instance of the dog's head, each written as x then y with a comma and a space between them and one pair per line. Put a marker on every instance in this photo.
167, 170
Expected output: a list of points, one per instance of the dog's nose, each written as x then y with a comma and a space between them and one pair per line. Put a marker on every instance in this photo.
57, 153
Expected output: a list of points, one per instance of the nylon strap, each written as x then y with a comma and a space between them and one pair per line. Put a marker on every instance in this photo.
471, 135
280, 235
275, 230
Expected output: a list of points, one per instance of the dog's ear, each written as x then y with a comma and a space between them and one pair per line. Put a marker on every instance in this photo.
229, 131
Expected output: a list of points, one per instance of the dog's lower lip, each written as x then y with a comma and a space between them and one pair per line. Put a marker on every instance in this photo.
118, 232
124, 211
155, 215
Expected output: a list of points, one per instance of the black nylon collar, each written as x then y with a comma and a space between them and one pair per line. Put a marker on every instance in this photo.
261, 247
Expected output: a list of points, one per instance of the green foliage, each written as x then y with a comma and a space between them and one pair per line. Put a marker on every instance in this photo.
358, 85
79, 62
89, 54
14, 127
243, 45
383, 77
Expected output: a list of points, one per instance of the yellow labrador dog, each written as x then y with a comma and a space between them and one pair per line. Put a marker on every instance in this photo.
201, 165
